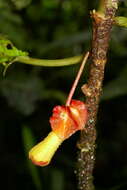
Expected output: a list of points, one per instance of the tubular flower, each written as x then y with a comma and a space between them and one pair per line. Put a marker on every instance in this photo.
65, 121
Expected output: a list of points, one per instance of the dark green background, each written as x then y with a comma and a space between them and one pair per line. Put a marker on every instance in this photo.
54, 29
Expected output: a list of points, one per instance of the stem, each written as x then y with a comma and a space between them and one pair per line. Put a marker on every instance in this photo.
49, 63
77, 79
102, 25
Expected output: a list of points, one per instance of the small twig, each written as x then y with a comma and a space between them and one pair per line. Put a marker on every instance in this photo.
77, 79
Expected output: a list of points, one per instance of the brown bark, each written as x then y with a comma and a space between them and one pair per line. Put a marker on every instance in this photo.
102, 25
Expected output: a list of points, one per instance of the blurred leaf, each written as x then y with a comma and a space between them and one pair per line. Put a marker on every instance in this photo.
118, 42
116, 87
66, 41
119, 187
58, 95
57, 179
50, 4
125, 1
10, 16
3, 4
29, 142
19, 4
28, 139
14, 24
22, 92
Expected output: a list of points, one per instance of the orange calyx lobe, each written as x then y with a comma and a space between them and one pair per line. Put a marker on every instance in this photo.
66, 120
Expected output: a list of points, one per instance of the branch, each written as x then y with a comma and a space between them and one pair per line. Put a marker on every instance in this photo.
102, 25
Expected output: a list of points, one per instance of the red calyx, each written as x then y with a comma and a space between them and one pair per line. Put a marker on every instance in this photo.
66, 120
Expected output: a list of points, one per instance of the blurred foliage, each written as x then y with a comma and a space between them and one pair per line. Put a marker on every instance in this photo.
22, 91
58, 29
29, 142
118, 85
20, 4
